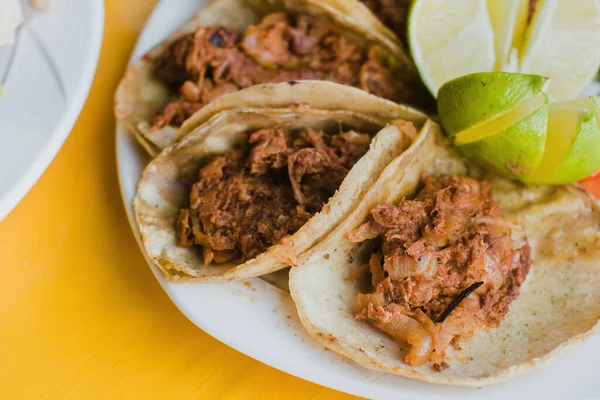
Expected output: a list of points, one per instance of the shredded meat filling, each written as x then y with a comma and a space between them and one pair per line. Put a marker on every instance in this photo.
249, 199
392, 13
213, 61
447, 255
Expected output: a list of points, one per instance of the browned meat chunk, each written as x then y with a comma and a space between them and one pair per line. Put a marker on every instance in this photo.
392, 13
213, 61
448, 265
249, 199
176, 112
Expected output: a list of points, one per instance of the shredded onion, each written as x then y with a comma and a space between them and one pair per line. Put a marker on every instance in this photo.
399, 266
402, 266
504, 223
376, 269
375, 299
406, 329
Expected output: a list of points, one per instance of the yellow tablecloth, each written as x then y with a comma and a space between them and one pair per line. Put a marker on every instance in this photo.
81, 316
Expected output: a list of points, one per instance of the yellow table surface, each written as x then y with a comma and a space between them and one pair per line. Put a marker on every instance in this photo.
81, 316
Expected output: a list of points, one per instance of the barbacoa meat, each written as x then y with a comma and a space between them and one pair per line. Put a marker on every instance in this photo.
213, 61
392, 13
449, 241
249, 199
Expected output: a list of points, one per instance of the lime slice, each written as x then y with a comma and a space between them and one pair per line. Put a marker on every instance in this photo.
504, 122
514, 151
449, 39
573, 145
497, 119
509, 19
472, 99
498, 122
563, 42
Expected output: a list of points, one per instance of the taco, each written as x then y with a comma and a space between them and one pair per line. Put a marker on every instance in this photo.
234, 44
251, 188
444, 276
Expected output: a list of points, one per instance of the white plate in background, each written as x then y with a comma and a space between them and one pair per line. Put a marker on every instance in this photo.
260, 320
48, 71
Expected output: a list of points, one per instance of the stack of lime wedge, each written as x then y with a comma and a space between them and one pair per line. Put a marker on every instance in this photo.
449, 39
505, 122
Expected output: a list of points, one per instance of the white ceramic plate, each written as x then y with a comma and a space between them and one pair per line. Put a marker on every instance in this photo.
260, 320
47, 75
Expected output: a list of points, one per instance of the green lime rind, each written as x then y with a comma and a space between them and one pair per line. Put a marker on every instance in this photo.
582, 160
466, 101
499, 152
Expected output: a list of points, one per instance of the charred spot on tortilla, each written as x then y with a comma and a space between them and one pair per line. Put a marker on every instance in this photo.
283, 47
248, 199
445, 265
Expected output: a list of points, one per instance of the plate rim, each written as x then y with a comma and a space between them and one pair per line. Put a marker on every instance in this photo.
10, 199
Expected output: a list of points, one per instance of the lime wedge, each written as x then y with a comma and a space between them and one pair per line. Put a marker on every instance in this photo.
504, 122
563, 42
514, 151
501, 121
449, 39
497, 119
472, 99
573, 145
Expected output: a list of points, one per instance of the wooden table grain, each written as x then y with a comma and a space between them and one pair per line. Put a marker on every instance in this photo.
81, 316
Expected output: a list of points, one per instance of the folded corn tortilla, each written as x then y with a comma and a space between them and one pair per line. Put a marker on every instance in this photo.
559, 303
164, 187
